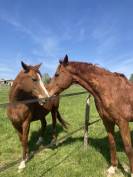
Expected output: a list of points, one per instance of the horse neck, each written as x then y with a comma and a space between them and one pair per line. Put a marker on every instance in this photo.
14, 92
88, 76
17, 94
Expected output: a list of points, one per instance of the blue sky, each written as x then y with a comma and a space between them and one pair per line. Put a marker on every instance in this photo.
96, 31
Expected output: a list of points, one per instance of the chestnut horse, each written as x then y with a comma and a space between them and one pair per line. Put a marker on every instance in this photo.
28, 85
113, 95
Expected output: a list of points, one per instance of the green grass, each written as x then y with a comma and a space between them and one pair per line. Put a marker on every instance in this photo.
69, 158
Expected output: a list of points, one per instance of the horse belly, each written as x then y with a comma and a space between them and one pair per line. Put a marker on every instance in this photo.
118, 111
114, 111
39, 113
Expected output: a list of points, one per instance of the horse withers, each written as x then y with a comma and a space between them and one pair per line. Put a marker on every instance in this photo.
113, 95
28, 85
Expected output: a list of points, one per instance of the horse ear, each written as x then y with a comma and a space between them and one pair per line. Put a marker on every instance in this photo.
60, 61
65, 61
25, 67
37, 66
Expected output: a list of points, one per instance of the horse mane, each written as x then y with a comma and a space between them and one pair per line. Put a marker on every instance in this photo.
120, 75
80, 67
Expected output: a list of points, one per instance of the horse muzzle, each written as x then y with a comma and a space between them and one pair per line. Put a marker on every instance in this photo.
42, 100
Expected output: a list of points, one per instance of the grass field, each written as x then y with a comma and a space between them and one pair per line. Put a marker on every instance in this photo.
69, 159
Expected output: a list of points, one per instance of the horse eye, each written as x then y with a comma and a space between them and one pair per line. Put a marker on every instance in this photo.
34, 79
56, 74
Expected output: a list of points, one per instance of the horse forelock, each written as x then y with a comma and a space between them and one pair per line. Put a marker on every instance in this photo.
31, 68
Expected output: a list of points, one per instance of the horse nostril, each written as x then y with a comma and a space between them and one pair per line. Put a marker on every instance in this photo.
42, 101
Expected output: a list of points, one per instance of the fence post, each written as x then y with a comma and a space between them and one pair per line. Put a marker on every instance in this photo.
86, 123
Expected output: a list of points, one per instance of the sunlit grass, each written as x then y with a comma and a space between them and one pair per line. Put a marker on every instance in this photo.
69, 158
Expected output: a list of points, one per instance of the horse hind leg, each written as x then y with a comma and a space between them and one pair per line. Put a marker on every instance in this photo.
54, 116
112, 145
42, 130
126, 138
64, 123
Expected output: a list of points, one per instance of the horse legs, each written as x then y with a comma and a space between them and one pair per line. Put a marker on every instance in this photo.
54, 116
110, 130
42, 130
126, 138
24, 138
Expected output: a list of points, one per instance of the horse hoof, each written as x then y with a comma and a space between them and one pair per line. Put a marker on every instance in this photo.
111, 170
21, 166
39, 141
126, 168
20, 170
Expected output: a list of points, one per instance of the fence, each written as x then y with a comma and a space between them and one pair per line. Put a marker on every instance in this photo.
62, 139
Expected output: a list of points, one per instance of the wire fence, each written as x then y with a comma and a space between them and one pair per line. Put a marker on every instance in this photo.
44, 100
59, 141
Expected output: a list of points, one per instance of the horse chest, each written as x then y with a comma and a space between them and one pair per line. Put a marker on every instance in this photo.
18, 113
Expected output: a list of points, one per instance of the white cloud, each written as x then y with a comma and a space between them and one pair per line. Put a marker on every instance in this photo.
4, 16
51, 46
48, 44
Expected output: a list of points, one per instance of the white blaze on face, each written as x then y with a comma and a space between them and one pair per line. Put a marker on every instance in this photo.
42, 86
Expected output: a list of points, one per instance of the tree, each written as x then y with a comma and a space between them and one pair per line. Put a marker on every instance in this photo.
131, 78
46, 78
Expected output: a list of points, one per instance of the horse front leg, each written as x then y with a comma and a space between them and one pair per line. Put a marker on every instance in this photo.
126, 138
54, 116
25, 132
112, 145
42, 130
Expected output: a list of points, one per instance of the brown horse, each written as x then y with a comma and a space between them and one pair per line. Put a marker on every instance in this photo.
113, 95
28, 85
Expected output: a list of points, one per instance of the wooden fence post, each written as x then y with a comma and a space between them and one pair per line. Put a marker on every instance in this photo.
86, 123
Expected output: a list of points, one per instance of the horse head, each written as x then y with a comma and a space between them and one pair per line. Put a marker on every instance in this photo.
29, 82
62, 78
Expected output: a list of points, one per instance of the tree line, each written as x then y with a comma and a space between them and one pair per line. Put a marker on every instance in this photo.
46, 78
131, 78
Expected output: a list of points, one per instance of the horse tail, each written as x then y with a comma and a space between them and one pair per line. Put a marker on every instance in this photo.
62, 121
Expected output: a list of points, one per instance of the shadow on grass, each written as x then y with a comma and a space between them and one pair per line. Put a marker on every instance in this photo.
47, 137
43, 173
102, 145
33, 146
